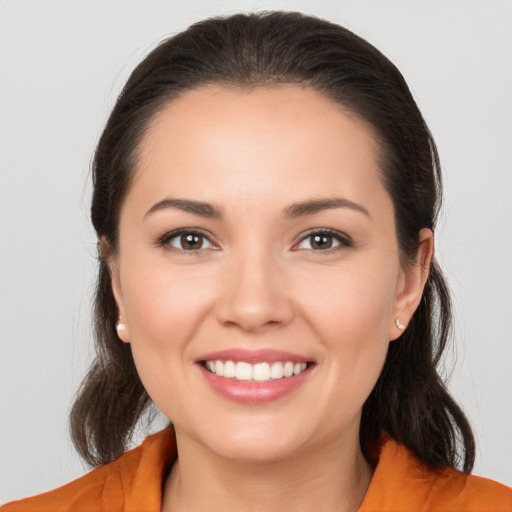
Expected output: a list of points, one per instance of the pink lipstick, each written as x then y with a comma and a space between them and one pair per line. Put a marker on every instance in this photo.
254, 376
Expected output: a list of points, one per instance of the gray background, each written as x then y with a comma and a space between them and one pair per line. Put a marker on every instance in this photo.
62, 63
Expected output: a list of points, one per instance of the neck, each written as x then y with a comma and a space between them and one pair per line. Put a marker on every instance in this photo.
331, 479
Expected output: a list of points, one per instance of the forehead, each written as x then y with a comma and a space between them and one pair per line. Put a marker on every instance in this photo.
216, 141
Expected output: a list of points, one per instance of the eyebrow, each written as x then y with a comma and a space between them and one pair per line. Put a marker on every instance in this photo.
186, 205
293, 211
318, 205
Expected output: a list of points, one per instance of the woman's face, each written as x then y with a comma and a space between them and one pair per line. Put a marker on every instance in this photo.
257, 237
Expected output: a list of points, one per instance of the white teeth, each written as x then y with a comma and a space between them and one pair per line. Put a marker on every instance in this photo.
259, 372
277, 371
229, 369
299, 368
243, 371
288, 369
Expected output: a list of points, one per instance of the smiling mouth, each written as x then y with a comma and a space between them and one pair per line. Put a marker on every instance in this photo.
259, 372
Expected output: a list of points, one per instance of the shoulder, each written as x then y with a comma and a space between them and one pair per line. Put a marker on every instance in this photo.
403, 483
483, 492
110, 487
470, 493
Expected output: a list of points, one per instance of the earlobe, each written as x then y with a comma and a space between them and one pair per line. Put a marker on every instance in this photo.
413, 282
399, 324
122, 332
111, 262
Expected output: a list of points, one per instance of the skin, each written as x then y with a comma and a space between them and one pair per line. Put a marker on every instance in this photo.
258, 283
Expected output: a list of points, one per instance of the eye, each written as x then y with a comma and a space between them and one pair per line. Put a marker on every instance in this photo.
186, 240
324, 240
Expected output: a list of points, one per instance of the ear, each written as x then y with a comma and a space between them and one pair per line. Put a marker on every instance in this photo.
112, 262
411, 284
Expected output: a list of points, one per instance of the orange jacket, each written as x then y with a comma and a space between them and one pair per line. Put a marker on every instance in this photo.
400, 483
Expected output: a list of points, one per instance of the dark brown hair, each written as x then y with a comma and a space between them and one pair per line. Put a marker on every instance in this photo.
409, 401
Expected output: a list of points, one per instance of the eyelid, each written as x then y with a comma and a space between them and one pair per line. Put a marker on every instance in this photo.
163, 241
343, 239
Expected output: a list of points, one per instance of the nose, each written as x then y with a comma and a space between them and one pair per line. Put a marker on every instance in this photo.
253, 294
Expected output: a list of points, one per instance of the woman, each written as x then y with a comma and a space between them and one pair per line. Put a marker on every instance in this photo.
265, 196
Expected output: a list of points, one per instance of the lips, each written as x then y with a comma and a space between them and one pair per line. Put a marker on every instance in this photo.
254, 377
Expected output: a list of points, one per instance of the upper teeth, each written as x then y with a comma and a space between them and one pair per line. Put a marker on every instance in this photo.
259, 372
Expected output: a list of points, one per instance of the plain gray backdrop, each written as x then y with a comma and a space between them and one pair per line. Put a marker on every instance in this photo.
62, 64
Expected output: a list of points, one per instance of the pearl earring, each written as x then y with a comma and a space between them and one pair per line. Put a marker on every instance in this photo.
399, 324
120, 327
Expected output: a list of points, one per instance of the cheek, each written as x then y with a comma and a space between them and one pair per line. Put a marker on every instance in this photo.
352, 303
163, 305
350, 313
163, 310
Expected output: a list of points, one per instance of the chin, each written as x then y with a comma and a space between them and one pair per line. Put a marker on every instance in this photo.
256, 451
254, 442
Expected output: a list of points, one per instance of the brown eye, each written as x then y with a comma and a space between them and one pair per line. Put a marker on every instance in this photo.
321, 241
191, 242
324, 240
187, 241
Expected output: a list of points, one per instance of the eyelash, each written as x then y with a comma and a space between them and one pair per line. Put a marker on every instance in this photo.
343, 239
164, 240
